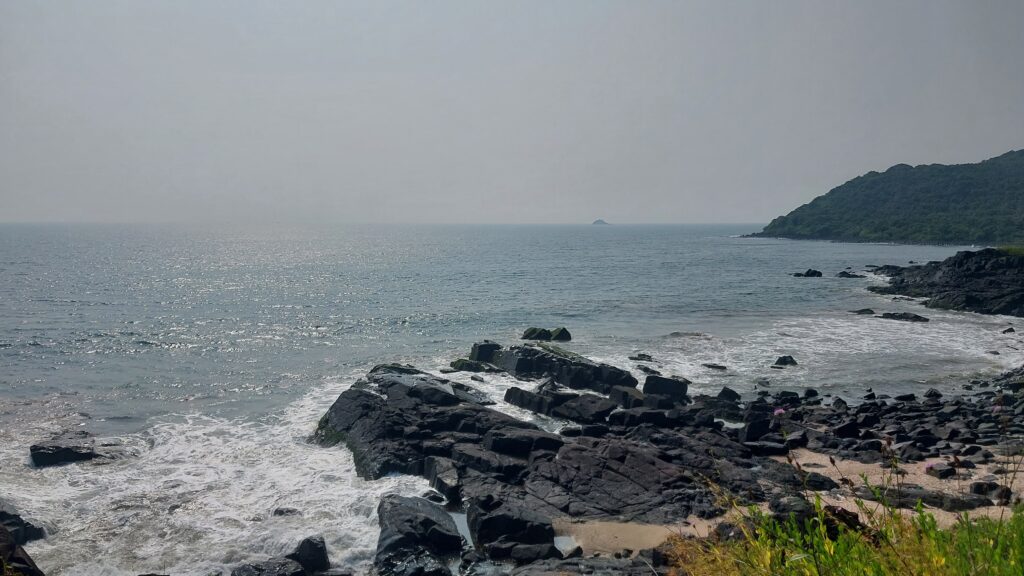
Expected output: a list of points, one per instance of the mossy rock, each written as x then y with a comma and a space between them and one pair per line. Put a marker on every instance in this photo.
537, 334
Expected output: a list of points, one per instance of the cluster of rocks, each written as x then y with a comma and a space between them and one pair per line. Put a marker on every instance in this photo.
645, 453
558, 334
812, 273
987, 281
626, 451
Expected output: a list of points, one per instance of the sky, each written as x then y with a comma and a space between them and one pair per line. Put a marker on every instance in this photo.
488, 112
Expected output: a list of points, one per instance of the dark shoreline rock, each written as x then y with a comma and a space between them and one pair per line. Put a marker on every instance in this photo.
647, 455
64, 448
903, 316
986, 281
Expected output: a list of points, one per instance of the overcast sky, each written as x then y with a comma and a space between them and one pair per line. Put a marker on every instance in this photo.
545, 111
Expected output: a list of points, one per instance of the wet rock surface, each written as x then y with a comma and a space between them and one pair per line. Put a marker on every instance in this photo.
986, 281
651, 454
21, 531
64, 448
14, 556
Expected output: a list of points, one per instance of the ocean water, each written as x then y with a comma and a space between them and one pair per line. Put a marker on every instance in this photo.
210, 353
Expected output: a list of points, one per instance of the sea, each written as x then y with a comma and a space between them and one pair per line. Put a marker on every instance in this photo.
207, 354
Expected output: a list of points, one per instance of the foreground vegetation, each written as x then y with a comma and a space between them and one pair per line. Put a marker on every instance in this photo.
889, 544
979, 203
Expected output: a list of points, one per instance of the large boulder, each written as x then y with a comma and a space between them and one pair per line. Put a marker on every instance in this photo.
63, 448
502, 527
675, 388
416, 538
568, 369
311, 554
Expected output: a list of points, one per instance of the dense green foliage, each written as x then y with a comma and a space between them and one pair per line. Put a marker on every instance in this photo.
965, 203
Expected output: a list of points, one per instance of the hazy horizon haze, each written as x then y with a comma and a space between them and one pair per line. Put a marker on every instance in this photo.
461, 112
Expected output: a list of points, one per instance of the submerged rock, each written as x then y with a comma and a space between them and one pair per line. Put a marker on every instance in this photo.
271, 567
904, 316
810, 273
785, 361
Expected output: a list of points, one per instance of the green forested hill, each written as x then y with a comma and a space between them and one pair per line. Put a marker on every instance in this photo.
936, 203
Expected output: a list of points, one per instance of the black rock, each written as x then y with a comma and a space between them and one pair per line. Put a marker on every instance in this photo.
271, 567
998, 493
785, 361
845, 274
714, 366
904, 316
810, 273
537, 334
484, 351
641, 357
568, 369
585, 409
908, 496
729, 394
561, 334
65, 447
674, 388
1009, 330
21, 530
987, 281
14, 557
940, 470
863, 311
464, 365
311, 554
648, 370
491, 521
416, 537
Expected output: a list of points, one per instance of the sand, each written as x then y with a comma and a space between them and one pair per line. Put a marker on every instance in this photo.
608, 538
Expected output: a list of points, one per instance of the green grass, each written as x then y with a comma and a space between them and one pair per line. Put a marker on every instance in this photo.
1013, 250
891, 544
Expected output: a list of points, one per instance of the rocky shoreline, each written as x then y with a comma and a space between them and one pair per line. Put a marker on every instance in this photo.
636, 455
988, 281
625, 456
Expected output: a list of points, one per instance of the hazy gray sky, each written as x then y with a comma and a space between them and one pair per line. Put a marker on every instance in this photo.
470, 111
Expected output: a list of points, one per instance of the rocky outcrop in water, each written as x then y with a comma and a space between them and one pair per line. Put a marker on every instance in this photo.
987, 281
63, 448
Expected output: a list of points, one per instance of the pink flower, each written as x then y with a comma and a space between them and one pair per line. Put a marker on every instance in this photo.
779, 411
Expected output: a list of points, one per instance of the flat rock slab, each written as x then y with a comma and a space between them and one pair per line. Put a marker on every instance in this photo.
64, 448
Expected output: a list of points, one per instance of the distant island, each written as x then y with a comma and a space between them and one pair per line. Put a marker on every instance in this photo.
600, 222
979, 203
